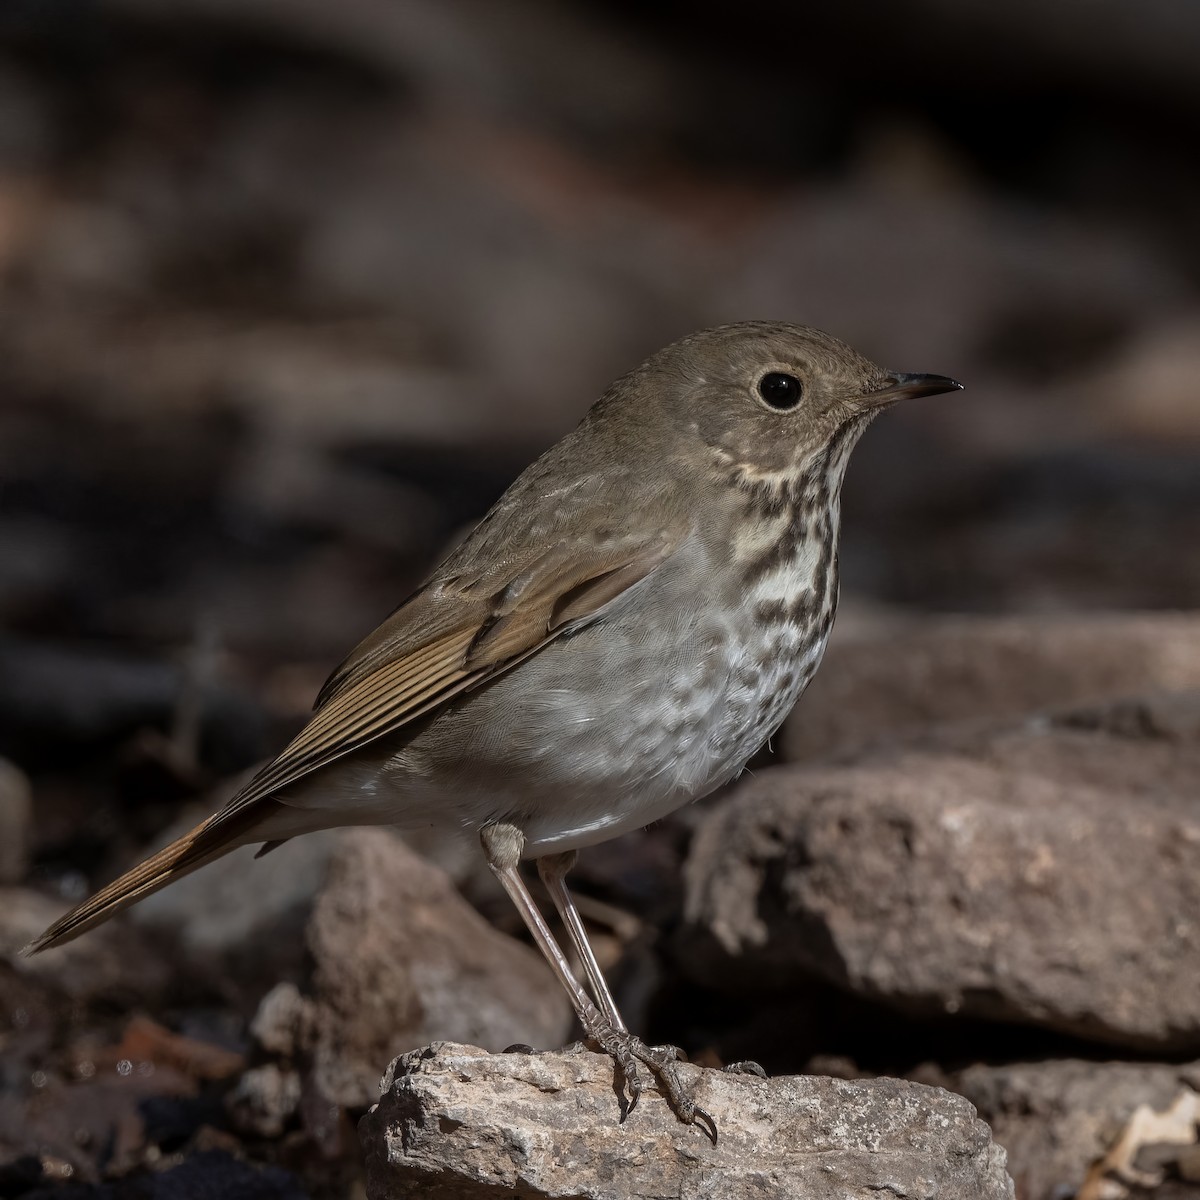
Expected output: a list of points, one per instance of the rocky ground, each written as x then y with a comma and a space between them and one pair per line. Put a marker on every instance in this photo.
289, 292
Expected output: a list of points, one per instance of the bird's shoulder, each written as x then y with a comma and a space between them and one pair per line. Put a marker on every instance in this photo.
551, 550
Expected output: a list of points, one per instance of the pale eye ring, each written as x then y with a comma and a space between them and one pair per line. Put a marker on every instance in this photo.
780, 391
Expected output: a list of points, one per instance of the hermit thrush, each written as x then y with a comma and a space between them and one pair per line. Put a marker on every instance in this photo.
620, 633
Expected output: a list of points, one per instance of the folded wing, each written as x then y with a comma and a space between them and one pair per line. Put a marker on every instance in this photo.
454, 634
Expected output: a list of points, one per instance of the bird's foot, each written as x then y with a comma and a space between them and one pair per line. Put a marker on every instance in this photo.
628, 1051
746, 1067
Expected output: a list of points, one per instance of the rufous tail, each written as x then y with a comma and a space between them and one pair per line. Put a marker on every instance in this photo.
208, 841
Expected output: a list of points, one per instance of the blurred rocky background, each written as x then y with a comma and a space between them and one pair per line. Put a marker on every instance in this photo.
290, 291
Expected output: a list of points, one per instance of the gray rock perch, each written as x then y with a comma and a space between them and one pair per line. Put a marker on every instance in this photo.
456, 1123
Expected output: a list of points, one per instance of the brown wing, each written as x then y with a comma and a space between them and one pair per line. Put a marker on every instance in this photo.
451, 636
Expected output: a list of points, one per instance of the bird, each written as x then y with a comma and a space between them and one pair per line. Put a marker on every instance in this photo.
622, 631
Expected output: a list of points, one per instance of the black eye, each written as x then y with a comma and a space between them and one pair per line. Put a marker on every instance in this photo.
780, 391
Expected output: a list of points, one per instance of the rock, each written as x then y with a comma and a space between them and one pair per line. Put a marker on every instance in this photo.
938, 883
245, 916
1146, 748
891, 680
265, 1100
456, 1123
15, 802
284, 1023
1057, 1118
368, 950
111, 965
400, 958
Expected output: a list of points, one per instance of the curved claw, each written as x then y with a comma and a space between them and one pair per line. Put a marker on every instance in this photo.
627, 1052
633, 1088
704, 1119
664, 1060
747, 1067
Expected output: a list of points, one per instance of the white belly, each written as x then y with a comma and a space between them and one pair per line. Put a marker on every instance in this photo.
604, 732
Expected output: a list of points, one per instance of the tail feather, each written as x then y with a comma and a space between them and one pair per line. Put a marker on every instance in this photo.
208, 841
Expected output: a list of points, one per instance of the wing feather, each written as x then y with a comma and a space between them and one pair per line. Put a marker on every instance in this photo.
393, 694
470, 639
530, 607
